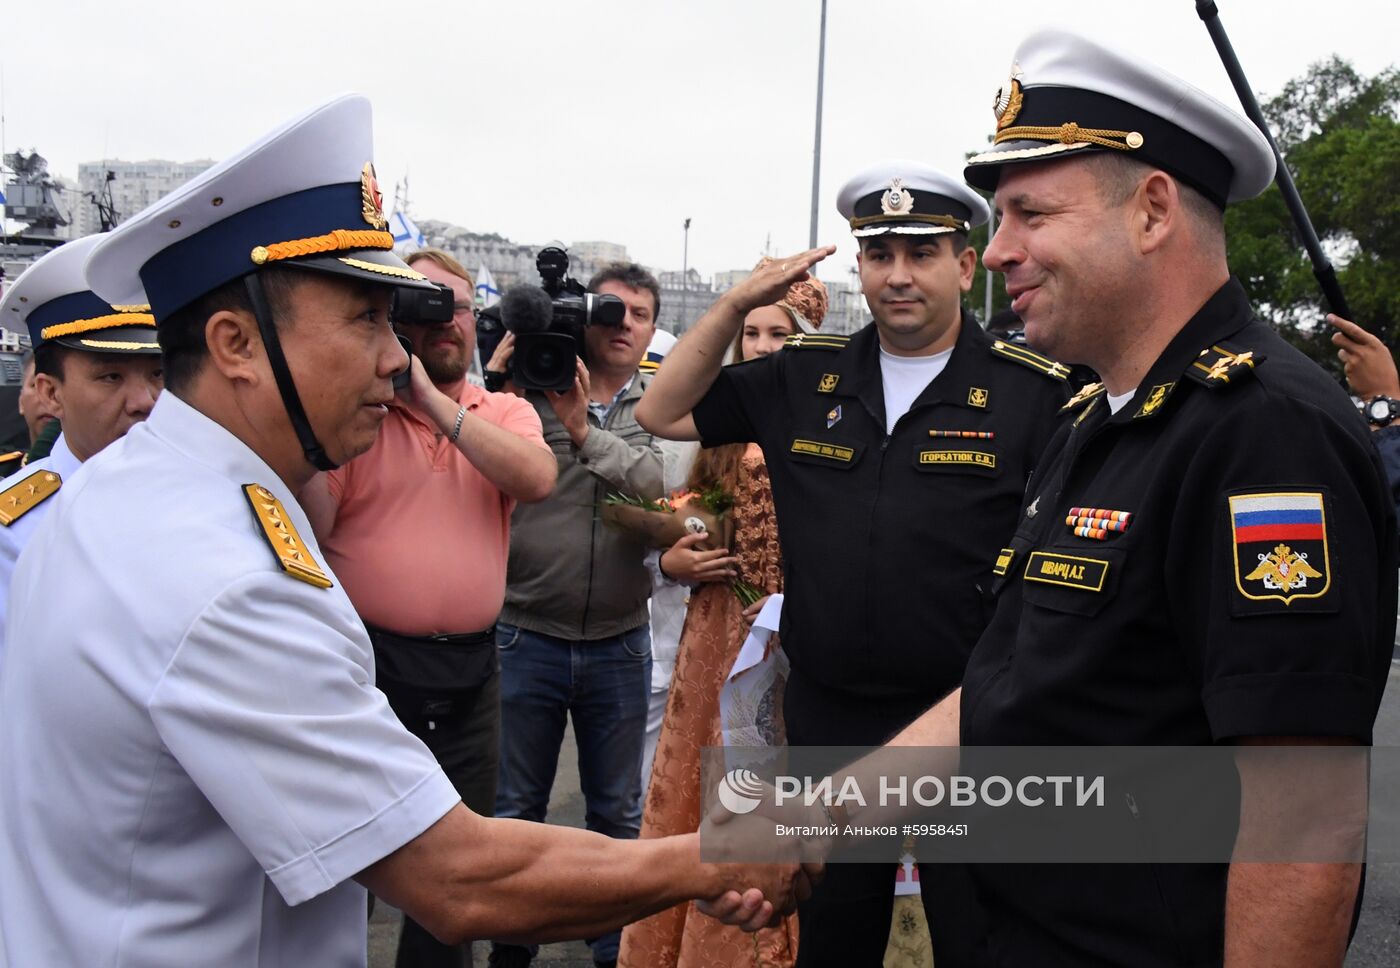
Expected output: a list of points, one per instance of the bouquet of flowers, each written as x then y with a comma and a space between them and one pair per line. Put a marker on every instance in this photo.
661, 523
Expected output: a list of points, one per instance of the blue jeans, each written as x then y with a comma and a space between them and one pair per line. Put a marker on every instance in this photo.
603, 684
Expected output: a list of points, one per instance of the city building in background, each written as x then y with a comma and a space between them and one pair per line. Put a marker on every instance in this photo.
128, 186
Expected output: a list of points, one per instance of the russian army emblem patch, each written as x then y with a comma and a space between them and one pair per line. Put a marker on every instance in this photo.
1280, 546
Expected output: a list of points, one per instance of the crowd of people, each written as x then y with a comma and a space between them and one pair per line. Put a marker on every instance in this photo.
294, 609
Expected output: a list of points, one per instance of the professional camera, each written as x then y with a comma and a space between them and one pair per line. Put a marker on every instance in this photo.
422, 307
419, 307
548, 324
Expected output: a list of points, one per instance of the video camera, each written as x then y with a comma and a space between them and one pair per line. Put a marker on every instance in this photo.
419, 307
548, 323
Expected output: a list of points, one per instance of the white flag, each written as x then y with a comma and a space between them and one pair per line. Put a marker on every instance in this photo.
406, 234
486, 292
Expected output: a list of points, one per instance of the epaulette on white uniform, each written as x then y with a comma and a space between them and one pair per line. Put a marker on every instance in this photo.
815, 341
1041, 364
26, 494
281, 536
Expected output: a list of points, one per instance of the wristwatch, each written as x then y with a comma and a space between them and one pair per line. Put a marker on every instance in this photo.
494, 380
1381, 411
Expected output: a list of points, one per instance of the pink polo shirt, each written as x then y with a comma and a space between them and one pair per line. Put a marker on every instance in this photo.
421, 537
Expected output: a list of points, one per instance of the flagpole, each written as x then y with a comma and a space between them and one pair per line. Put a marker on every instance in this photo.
685, 278
817, 145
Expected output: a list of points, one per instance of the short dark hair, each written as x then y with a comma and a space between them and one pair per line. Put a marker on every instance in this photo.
632, 275
48, 359
181, 334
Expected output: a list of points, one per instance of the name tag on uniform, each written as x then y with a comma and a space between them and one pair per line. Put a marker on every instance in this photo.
1087, 574
815, 448
978, 457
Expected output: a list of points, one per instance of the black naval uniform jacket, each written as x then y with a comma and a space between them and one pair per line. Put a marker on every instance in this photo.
1249, 591
888, 539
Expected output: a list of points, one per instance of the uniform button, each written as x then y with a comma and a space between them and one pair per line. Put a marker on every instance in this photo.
583, 460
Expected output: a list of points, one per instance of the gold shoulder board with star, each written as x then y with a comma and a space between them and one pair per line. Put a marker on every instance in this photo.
282, 537
816, 341
1088, 392
1224, 364
1041, 364
17, 500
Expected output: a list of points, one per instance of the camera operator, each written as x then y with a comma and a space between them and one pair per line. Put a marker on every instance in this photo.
418, 530
573, 635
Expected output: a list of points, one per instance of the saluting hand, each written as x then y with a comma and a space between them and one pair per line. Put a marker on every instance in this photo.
769, 283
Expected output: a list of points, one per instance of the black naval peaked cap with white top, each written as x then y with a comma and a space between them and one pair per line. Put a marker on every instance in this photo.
52, 300
908, 198
1067, 96
304, 196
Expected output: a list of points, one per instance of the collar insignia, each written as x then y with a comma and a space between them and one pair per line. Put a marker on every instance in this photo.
1154, 400
371, 200
828, 382
977, 397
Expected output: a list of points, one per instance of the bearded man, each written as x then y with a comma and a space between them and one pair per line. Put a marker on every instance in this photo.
418, 529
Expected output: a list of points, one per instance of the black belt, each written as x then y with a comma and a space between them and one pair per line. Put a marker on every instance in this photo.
432, 677
378, 635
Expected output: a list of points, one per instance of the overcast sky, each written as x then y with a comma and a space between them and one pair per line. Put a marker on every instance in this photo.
612, 119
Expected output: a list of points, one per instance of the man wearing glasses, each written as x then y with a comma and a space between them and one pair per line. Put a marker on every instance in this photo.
418, 530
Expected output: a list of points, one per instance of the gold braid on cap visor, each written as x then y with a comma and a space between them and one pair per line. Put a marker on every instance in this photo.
110, 321
947, 221
338, 240
1071, 133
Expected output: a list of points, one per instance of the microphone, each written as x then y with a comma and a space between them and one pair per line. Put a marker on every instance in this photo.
526, 309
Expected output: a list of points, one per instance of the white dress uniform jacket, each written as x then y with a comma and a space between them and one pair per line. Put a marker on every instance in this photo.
60, 461
195, 758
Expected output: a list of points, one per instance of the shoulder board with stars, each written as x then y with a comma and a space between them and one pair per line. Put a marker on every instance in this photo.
1041, 364
1088, 392
281, 536
1223, 364
19, 499
815, 341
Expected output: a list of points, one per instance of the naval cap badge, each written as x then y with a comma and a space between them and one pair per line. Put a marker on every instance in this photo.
371, 199
1007, 103
897, 199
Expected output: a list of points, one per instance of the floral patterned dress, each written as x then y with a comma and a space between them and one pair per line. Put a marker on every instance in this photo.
681, 937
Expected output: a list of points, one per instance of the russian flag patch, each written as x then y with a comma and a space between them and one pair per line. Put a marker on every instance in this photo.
1280, 545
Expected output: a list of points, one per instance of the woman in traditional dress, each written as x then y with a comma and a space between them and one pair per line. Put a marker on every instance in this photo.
716, 625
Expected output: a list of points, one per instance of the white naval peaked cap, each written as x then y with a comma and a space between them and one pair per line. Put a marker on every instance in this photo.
52, 300
1067, 95
908, 198
304, 196
661, 343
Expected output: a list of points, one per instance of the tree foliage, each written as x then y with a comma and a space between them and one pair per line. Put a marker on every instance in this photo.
1340, 135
